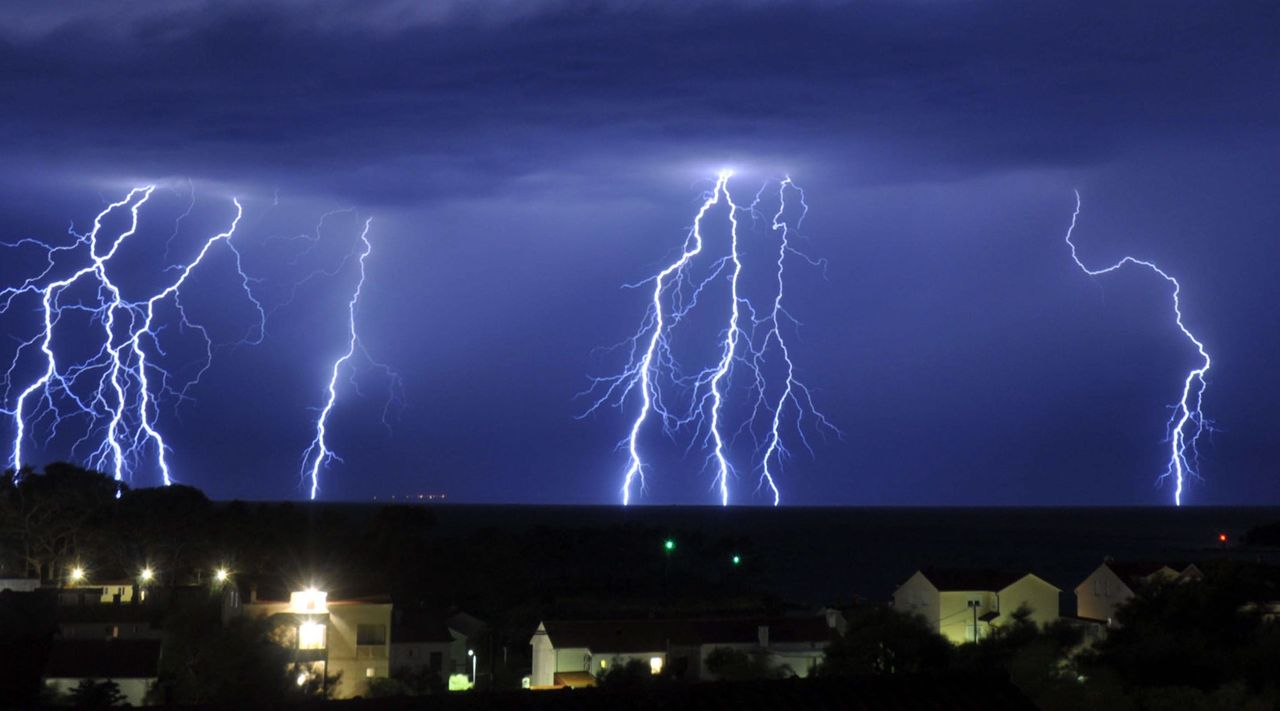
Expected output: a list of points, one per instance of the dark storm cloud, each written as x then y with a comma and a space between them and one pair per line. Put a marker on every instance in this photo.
389, 102
966, 358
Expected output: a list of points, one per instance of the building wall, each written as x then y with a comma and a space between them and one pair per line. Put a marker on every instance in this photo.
134, 690
108, 630
416, 656
19, 584
918, 596
614, 660
544, 659
572, 659
1037, 595
955, 617
357, 663
800, 658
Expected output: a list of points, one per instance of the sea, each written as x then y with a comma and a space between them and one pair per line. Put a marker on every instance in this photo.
831, 555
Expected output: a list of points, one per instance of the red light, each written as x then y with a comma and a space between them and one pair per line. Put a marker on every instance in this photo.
1222, 537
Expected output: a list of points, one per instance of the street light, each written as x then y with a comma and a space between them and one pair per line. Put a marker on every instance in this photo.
472, 653
221, 575
147, 575
77, 574
669, 545
737, 559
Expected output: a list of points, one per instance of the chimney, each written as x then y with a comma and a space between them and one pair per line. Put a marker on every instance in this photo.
762, 635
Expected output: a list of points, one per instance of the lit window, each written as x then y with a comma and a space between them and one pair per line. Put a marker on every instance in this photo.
655, 665
368, 672
311, 635
604, 663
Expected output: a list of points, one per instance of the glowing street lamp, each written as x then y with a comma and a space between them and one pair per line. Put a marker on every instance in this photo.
77, 574
146, 575
221, 575
472, 653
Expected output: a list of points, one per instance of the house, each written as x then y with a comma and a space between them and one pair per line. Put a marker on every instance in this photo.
421, 641
132, 664
963, 605
19, 584
1113, 583
574, 653
348, 637
108, 591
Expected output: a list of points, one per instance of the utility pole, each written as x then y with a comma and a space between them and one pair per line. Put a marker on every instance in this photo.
973, 605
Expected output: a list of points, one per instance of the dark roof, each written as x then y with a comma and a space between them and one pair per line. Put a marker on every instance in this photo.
114, 613
409, 626
1137, 571
654, 635
955, 579
104, 659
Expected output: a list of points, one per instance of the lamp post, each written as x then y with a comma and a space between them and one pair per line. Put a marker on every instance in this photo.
472, 653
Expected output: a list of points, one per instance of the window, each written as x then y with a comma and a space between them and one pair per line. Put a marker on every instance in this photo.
369, 672
371, 641
655, 665
371, 634
311, 635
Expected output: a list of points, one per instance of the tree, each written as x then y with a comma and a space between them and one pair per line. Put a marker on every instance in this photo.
91, 694
728, 664
880, 640
56, 516
632, 675
207, 663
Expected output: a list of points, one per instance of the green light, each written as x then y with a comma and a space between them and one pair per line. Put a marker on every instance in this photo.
737, 560
669, 544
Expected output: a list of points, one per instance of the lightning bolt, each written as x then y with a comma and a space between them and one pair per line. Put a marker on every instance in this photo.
793, 390
1187, 422
650, 357
318, 454
120, 404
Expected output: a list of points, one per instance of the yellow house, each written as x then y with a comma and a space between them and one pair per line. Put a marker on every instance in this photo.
963, 605
331, 637
1114, 583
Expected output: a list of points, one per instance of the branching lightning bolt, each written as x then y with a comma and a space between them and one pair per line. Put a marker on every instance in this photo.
1187, 422
318, 454
651, 357
793, 390
115, 389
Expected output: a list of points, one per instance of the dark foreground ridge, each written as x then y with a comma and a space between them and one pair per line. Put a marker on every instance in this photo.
949, 692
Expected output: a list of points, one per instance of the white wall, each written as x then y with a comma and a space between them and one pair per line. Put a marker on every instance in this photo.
134, 690
544, 659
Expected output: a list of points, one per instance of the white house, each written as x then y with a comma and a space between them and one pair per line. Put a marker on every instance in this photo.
963, 605
329, 637
420, 641
1114, 583
132, 664
574, 653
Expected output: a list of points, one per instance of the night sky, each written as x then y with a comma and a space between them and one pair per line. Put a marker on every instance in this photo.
521, 161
